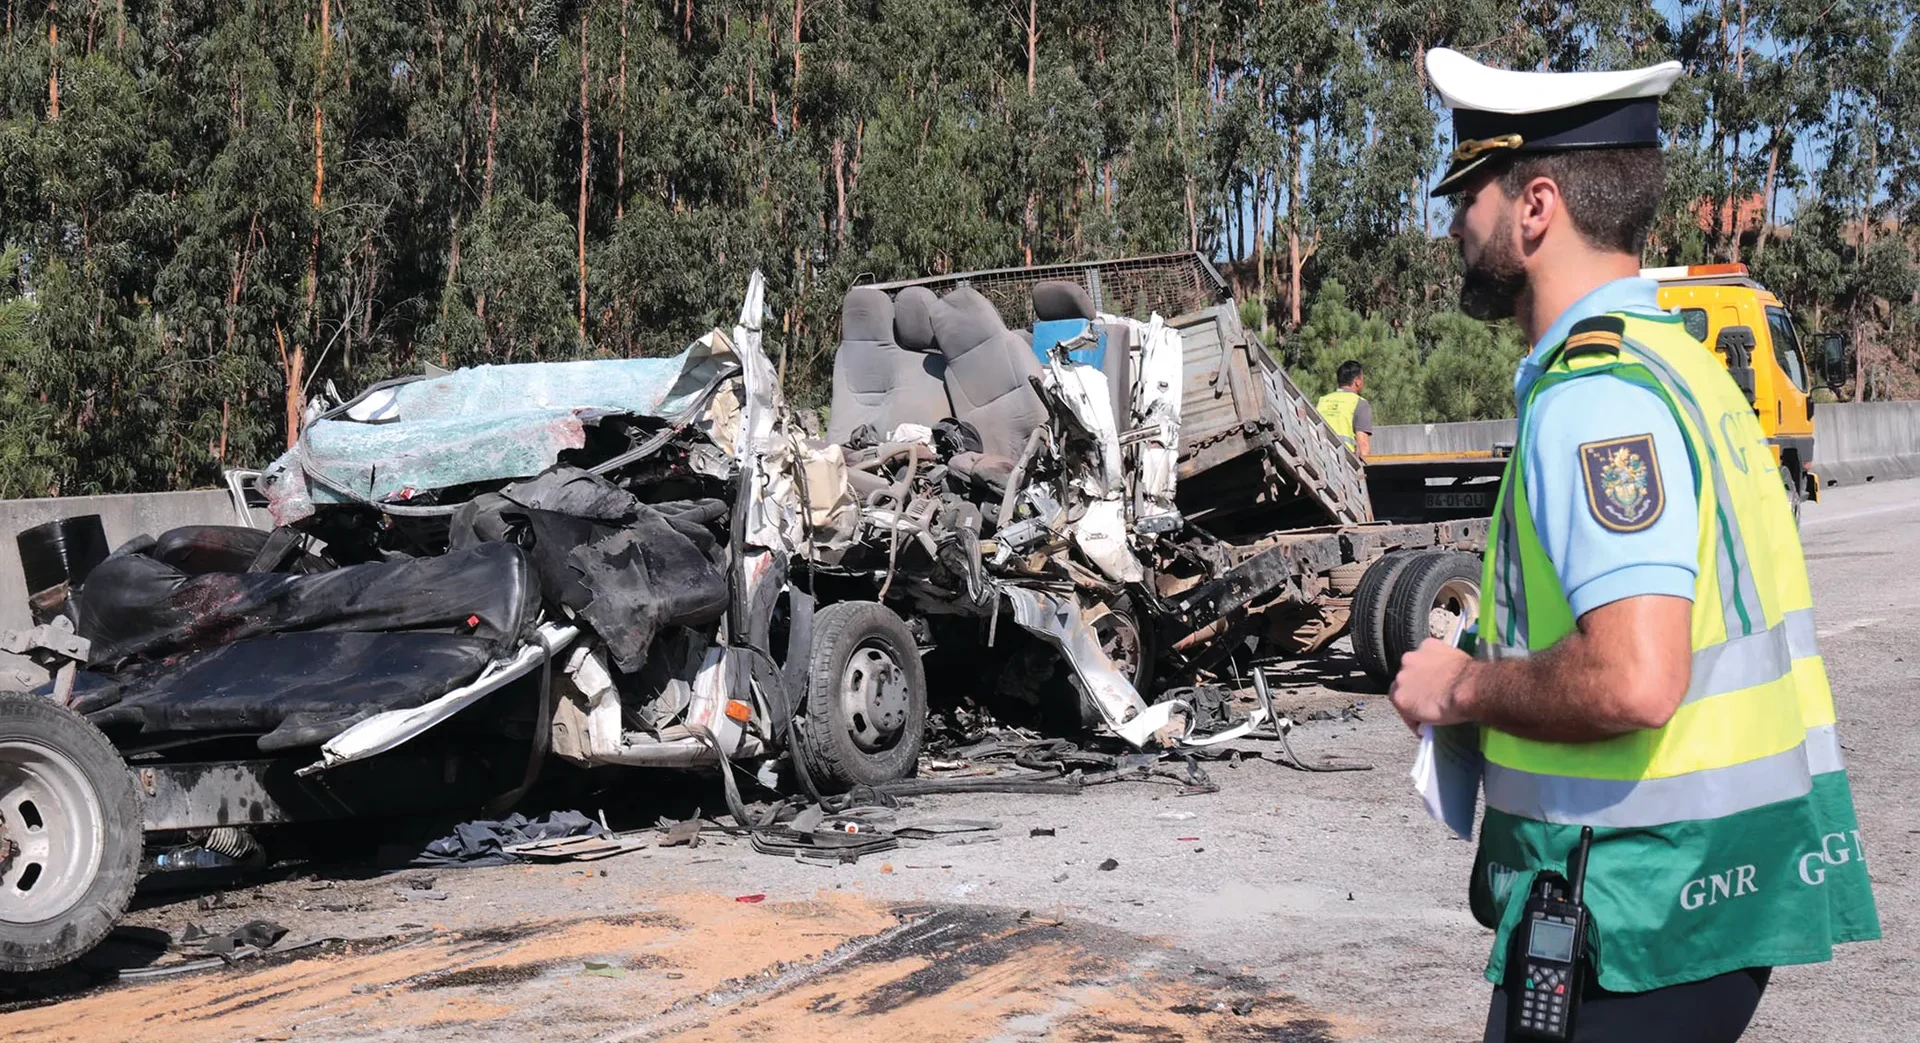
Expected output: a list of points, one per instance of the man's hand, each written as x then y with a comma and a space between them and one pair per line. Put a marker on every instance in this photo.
1427, 690
1625, 668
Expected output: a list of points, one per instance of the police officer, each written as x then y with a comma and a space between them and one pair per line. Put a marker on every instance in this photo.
1350, 416
1645, 659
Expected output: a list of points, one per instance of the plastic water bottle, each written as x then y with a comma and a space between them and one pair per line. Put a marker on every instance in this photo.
186, 858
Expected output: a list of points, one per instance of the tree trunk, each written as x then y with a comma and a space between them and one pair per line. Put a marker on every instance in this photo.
319, 169
620, 133
1293, 233
1260, 212
1766, 198
840, 191
293, 368
242, 260
1033, 43
793, 121
586, 126
53, 61
493, 131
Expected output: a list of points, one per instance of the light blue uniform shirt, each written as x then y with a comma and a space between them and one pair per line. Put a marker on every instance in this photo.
1598, 565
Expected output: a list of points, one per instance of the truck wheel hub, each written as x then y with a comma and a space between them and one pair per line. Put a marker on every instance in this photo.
52, 832
1456, 599
873, 692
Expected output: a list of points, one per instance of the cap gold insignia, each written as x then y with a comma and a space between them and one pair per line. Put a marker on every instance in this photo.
1475, 147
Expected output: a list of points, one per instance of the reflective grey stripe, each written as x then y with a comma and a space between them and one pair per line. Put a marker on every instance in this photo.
1734, 565
1510, 590
1754, 659
1823, 750
1801, 642
1696, 796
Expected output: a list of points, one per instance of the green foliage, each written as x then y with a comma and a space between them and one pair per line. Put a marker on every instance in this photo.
175, 267
1451, 368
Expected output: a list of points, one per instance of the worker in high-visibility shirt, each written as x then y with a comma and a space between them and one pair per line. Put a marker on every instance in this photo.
1350, 416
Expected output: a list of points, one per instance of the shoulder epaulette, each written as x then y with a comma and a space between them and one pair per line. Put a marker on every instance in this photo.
1600, 334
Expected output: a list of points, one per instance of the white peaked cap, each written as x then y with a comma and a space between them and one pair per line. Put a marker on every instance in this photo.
1466, 84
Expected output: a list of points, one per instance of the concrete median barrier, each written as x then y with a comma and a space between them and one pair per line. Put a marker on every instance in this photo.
124, 517
1866, 442
1854, 443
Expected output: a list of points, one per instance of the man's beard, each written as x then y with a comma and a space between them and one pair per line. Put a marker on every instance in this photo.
1493, 282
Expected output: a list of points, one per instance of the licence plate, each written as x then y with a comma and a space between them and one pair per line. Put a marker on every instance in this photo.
1458, 501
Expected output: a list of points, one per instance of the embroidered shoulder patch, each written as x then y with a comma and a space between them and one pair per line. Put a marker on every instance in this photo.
1623, 483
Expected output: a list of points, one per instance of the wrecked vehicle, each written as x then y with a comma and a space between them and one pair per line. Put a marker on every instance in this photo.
1036, 486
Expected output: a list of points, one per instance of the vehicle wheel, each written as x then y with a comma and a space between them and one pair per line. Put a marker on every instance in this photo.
866, 697
1345, 579
1796, 491
1369, 621
1129, 643
70, 834
1435, 593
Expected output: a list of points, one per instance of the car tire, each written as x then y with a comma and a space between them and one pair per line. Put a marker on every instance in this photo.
70, 823
866, 711
1369, 618
1427, 600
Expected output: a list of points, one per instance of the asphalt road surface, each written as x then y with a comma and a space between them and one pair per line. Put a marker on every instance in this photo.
1287, 906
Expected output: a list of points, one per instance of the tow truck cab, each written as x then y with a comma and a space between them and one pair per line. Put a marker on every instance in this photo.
1753, 335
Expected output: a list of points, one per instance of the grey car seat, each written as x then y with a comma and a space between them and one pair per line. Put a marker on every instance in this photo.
877, 380
1058, 303
989, 373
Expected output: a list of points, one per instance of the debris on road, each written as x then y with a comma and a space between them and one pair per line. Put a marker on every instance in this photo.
257, 935
681, 834
584, 848
494, 842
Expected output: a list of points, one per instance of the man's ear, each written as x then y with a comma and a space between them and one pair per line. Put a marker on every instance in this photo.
1540, 205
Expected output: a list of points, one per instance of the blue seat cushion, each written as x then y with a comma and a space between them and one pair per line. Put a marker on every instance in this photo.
1047, 333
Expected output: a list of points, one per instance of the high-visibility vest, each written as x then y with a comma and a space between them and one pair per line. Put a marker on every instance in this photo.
1727, 838
1338, 408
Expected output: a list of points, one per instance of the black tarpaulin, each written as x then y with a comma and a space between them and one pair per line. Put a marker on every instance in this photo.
298, 689
137, 605
628, 568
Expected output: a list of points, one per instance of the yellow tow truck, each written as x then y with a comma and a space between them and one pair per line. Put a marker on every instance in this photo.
1754, 337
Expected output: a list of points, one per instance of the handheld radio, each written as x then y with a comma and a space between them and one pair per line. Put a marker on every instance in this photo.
1547, 963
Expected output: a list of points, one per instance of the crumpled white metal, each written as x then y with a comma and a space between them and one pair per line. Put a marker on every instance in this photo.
1057, 621
383, 732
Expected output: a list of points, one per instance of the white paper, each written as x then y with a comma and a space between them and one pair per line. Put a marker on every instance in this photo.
1446, 774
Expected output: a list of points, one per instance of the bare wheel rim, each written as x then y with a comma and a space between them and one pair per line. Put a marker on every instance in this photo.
52, 832
873, 692
1457, 599
1121, 642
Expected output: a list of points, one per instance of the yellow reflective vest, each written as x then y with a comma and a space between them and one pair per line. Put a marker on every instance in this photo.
1727, 838
1338, 408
